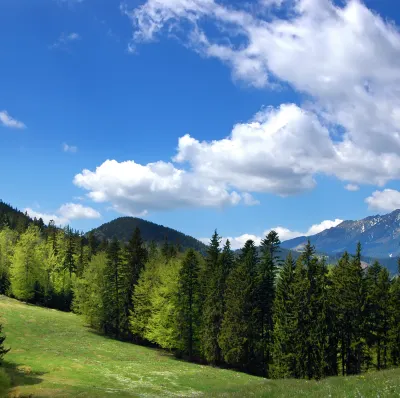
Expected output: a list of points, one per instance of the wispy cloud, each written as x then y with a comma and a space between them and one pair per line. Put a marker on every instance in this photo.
8, 121
69, 148
65, 39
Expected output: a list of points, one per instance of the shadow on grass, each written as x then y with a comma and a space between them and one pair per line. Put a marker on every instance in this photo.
21, 375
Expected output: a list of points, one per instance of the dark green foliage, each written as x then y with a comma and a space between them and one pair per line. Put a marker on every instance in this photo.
135, 258
394, 334
285, 322
264, 298
114, 289
188, 306
3, 350
347, 301
238, 337
310, 299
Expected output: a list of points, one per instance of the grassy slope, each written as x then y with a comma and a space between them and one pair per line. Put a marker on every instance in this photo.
54, 355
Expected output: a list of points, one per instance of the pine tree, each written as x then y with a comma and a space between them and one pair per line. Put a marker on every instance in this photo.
3, 350
347, 302
395, 319
285, 322
265, 295
238, 330
376, 311
114, 286
188, 305
310, 297
135, 258
213, 301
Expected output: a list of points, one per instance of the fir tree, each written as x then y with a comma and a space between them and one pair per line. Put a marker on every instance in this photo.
395, 319
114, 286
347, 302
188, 305
213, 301
238, 331
285, 322
265, 295
135, 258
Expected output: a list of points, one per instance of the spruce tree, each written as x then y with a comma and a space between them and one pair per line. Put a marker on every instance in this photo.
310, 297
114, 287
213, 301
395, 319
347, 302
376, 313
135, 258
285, 322
265, 295
238, 336
188, 305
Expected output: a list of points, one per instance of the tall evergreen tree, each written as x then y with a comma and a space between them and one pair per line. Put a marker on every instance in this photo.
285, 322
395, 319
188, 305
377, 312
265, 295
347, 302
135, 258
213, 301
238, 336
311, 308
114, 286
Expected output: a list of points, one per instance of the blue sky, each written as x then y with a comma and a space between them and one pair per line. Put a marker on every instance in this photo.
201, 114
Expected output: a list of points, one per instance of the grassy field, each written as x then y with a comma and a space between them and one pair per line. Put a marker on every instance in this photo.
54, 355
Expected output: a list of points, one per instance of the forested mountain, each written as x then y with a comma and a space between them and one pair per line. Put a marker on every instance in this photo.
122, 228
378, 235
14, 218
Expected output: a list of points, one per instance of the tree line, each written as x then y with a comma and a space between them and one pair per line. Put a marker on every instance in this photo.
249, 310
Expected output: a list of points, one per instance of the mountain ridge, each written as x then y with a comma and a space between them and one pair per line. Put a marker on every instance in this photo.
379, 236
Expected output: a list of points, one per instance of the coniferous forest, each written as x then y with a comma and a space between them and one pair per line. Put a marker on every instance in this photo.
249, 311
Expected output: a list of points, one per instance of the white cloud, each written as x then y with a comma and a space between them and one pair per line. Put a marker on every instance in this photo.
69, 148
73, 211
351, 126
386, 200
66, 213
65, 39
284, 234
47, 217
133, 188
352, 187
8, 121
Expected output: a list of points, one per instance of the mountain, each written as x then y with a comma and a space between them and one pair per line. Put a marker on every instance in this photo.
122, 228
378, 235
13, 218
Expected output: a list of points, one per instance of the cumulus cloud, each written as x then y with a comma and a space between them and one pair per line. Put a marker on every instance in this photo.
352, 187
134, 189
351, 126
8, 121
69, 148
386, 200
284, 234
66, 213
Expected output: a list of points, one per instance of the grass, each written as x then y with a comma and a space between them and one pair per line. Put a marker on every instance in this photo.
53, 354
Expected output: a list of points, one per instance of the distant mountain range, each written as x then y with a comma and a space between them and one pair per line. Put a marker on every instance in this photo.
122, 228
378, 235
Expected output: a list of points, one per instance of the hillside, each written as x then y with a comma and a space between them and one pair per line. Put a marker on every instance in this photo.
54, 355
379, 237
13, 217
122, 228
